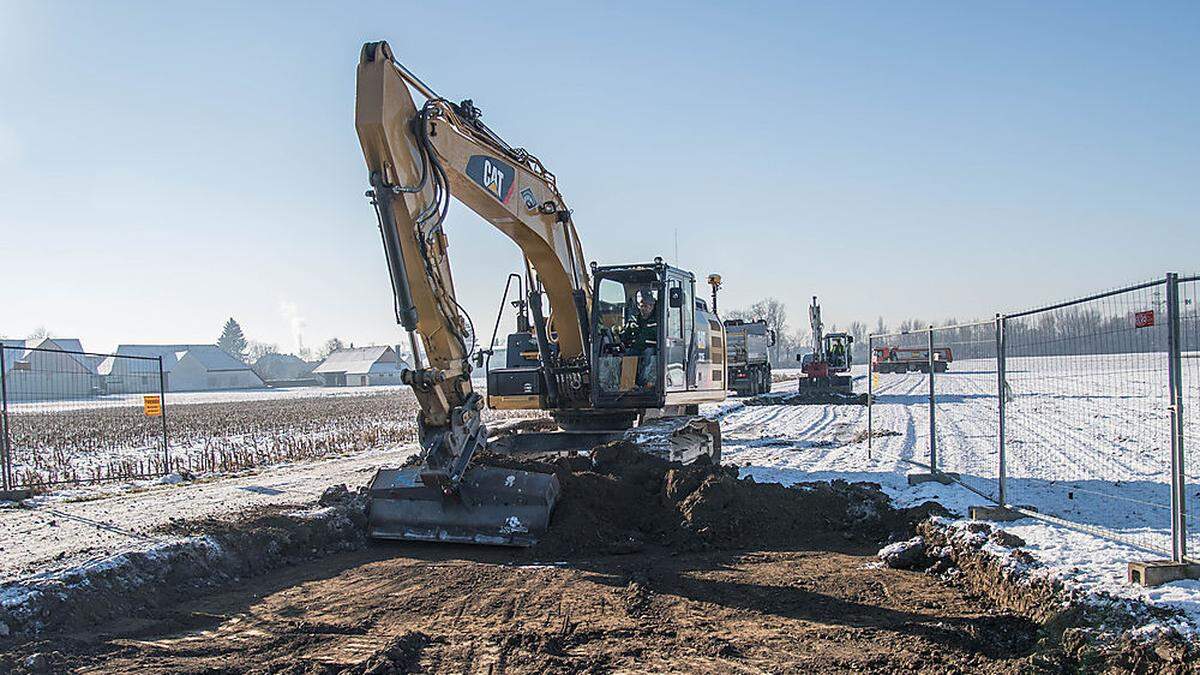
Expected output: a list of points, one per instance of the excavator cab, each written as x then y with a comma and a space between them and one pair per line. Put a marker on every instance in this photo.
628, 340
648, 336
838, 352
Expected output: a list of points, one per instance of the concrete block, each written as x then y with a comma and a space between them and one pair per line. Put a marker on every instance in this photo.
938, 477
1158, 572
999, 514
14, 495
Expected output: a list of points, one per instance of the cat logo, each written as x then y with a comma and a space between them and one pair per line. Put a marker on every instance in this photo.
492, 175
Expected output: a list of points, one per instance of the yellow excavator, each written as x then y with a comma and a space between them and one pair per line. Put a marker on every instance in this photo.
624, 351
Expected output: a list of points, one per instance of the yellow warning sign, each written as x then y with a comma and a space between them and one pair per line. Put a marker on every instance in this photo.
152, 405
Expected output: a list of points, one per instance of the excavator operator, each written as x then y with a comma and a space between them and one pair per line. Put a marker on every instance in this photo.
640, 337
837, 353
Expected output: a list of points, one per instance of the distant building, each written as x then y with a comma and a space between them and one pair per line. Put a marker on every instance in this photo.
185, 368
31, 373
361, 366
285, 369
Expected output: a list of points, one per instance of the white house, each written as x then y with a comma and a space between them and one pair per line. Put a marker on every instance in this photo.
361, 366
39, 370
185, 368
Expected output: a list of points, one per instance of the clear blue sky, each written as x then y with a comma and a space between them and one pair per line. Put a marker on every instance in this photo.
166, 165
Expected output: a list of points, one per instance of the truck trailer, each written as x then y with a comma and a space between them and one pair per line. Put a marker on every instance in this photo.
910, 359
748, 359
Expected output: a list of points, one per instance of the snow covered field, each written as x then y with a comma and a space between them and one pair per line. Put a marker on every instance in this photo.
1087, 436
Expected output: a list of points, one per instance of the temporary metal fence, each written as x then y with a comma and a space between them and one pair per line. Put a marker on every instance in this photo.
1077, 412
78, 417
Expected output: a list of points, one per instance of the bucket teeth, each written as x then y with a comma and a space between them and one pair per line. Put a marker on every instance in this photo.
498, 507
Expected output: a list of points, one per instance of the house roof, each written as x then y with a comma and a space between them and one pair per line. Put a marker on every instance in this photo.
211, 357
167, 352
14, 353
356, 360
290, 359
19, 350
88, 361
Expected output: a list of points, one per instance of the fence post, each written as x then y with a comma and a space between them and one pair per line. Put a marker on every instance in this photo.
162, 399
870, 393
1002, 396
5, 441
933, 465
1175, 392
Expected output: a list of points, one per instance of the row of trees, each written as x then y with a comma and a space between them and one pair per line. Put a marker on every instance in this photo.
1097, 328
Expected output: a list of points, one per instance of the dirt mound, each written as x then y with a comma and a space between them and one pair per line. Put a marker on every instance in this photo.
622, 500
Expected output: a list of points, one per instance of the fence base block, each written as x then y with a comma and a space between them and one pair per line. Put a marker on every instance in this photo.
999, 514
1159, 572
937, 477
14, 495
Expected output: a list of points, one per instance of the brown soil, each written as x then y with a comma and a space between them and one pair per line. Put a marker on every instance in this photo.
647, 567
625, 501
439, 609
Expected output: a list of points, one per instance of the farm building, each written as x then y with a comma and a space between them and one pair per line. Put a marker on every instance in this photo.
32, 374
185, 368
285, 370
361, 366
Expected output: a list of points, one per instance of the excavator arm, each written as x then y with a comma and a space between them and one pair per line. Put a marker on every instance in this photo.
417, 158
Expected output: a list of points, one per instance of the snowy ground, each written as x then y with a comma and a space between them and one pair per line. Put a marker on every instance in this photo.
805, 443
1087, 436
72, 527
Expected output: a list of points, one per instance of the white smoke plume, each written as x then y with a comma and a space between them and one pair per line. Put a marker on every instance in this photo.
291, 314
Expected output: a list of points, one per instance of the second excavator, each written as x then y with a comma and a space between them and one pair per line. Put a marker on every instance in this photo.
623, 350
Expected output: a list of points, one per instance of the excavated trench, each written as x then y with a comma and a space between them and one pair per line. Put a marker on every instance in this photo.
647, 566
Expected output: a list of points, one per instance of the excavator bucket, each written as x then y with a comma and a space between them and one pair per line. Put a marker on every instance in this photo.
496, 507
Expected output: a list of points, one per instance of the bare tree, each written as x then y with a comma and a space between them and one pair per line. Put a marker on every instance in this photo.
39, 333
255, 350
858, 331
331, 345
774, 313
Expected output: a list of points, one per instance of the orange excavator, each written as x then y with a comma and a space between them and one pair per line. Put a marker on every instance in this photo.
826, 369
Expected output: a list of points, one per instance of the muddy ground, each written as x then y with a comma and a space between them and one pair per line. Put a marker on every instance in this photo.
437, 610
647, 567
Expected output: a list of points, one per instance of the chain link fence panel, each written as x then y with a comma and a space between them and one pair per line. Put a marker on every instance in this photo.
1087, 414
80, 417
966, 405
1189, 328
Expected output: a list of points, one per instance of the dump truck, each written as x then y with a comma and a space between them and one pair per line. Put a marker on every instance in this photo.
748, 359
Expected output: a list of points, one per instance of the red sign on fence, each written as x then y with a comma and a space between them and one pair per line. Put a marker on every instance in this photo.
1143, 319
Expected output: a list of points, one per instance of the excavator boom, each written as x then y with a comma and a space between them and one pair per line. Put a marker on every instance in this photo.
417, 158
